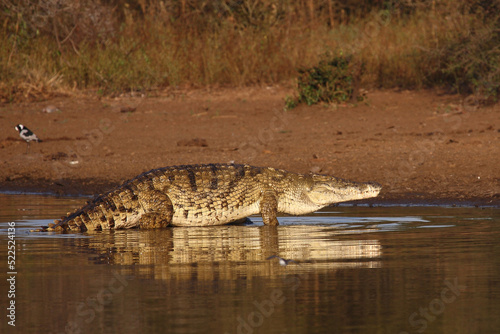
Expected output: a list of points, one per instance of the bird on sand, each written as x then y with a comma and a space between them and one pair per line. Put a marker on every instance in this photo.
27, 135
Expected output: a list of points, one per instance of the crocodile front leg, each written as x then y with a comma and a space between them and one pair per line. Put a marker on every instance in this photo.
158, 207
269, 208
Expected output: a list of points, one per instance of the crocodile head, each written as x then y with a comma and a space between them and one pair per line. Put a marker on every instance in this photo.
325, 190
312, 192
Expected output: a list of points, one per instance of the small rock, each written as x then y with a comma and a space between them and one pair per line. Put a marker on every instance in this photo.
127, 109
315, 169
200, 142
50, 109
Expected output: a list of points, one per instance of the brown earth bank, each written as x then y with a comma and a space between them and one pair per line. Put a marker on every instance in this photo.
422, 146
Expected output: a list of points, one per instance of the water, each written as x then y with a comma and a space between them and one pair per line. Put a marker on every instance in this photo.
360, 270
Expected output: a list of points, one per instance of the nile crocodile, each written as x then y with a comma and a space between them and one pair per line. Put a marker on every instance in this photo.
213, 194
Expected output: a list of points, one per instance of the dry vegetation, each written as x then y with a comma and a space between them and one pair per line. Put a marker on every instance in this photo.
108, 46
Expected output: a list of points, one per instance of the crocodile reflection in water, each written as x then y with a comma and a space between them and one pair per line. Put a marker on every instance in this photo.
235, 250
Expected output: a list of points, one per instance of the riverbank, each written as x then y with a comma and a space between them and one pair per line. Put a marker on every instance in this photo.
422, 146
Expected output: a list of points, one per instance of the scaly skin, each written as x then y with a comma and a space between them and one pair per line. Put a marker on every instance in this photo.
215, 194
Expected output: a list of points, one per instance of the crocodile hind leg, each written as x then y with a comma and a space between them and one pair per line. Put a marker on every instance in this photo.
158, 209
269, 208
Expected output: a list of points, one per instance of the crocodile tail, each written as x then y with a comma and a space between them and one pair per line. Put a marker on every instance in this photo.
102, 213
90, 217
72, 222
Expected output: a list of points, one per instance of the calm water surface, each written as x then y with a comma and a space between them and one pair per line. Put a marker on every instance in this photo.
359, 270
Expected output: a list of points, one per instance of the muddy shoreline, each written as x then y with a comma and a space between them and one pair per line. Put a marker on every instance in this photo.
422, 146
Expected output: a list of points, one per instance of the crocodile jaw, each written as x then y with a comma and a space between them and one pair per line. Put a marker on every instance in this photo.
326, 193
317, 191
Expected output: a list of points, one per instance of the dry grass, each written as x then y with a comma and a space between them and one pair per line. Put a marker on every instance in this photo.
154, 45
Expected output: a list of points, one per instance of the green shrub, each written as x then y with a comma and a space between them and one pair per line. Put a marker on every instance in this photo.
471, 65
334, 79
290, 102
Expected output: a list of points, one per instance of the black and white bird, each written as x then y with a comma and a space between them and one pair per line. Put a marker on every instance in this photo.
283, 262
27, 135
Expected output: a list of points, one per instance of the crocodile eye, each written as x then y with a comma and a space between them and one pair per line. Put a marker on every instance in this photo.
320, 194
323, 188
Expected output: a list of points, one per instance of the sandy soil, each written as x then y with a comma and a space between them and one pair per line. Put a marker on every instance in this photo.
421, 146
